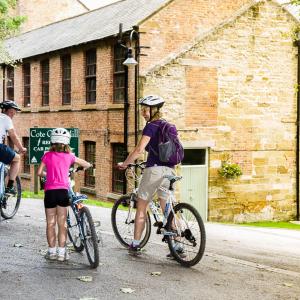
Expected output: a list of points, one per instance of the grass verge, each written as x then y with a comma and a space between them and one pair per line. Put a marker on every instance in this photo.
93, 202
271, 224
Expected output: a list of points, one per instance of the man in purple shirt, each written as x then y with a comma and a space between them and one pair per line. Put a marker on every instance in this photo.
153, 176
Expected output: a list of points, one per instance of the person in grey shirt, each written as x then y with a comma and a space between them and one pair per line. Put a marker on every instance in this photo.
7, 155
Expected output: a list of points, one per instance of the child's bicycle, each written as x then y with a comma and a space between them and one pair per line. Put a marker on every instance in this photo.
9, 204
81, 227
181, 225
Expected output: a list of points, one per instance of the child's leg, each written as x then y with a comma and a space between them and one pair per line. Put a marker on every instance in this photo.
62, 225
51, 223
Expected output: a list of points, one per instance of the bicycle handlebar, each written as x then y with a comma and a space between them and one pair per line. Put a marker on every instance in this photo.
141, 165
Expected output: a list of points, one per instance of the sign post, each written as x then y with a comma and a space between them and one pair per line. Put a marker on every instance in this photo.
39, 143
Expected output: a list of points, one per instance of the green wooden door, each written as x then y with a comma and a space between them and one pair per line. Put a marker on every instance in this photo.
194, 184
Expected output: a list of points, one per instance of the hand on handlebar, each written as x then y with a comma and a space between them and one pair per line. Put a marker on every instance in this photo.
121, 166
22, 150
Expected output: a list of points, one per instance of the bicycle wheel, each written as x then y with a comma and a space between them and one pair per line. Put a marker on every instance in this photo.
122, 220
10, 204
74, 231
90, 237
187, 243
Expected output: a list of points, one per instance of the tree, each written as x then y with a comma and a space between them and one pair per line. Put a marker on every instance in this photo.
9, 26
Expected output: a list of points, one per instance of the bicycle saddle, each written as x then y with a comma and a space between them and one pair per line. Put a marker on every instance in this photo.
172, 178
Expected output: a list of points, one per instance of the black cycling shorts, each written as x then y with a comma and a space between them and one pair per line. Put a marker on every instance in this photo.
53, 198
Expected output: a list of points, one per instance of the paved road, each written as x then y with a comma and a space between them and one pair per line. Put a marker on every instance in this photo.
240, 263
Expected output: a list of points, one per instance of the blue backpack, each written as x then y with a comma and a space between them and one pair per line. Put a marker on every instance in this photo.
170, 150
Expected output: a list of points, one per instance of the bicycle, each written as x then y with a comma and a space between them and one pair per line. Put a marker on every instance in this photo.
180, 224
81, 227
9, 204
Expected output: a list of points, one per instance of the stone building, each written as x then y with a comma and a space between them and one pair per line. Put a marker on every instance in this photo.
227, 69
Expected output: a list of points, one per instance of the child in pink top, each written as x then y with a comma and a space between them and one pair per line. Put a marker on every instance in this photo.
57, 163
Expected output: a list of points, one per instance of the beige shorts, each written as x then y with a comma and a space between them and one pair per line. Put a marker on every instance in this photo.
151, 181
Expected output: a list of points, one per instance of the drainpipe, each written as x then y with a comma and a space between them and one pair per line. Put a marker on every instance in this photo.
126, 108
136, 92
297, 136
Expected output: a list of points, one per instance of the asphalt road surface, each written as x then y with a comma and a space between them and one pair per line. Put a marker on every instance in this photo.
239, 263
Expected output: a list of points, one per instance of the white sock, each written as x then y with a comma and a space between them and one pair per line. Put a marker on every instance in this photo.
52, 250
135, 243
61, 250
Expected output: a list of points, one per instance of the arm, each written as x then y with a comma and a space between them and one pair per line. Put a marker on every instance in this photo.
138, 150
40, 171
13, 136
83, 163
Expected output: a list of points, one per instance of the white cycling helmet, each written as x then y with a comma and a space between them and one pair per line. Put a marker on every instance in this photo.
152, 101
60, 135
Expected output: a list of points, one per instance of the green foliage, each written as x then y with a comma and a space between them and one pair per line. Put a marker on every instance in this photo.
273, 224
9, 25
228, 169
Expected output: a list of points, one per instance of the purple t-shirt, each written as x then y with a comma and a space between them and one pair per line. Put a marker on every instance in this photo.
152, 130
57, 168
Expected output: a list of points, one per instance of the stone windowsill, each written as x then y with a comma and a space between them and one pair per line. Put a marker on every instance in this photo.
44, 109
25, 176
88, 190
89, 107
26, 109
113, 196
65, 108
115, 106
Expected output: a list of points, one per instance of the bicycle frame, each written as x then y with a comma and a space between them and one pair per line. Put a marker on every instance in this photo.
169, 207
76, 205
2, 183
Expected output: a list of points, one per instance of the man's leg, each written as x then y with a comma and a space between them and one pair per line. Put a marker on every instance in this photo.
14, 167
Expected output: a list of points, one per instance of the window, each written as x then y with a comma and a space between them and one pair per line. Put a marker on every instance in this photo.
194, 157
45, 82
90, 156
90, 76
10, 83
66, 79
119, 74
26, 165
118, 177
26, 84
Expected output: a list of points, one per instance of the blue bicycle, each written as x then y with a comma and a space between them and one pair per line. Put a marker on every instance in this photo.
9, 203
81, 227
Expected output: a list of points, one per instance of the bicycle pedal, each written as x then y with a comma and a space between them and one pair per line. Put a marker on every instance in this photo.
158, 224
158, 231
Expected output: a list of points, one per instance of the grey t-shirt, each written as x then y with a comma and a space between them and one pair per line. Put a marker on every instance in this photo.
5, 125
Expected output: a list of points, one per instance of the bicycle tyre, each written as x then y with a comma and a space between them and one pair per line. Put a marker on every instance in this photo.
90, 237
116, 223
74, 231
187, 236
6, 213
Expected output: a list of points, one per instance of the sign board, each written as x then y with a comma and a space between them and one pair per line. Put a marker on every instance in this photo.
39, 143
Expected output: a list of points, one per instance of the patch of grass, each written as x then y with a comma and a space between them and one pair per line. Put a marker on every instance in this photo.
271, 224
100, 203
93, 202
28, 194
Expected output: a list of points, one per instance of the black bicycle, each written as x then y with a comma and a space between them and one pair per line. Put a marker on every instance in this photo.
81, 227
180, 223
9, 204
